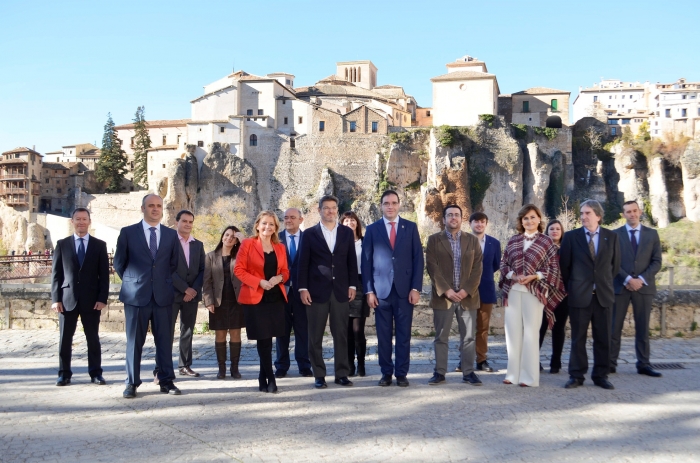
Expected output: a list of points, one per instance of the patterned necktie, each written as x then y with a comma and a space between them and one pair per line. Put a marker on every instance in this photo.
634, 241
292, 248
81, 251
591, 244
392, 234
153, 245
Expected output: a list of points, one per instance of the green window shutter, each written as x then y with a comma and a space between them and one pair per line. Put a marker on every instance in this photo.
555, 105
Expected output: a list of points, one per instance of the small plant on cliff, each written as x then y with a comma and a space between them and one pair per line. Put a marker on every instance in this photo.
520, 131
400, 138
446, 136
487, 118
549, 132
111, 167
479, 182
142, 142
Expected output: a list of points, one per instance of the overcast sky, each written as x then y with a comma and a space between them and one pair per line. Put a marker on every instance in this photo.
65, 65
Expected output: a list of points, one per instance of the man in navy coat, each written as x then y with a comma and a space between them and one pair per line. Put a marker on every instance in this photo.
146, 258
392, 270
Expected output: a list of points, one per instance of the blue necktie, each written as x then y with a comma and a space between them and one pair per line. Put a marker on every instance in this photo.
81, 251
634, 241
153, 245
292, 248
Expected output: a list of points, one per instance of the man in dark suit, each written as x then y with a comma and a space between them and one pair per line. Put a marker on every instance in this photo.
146, 258
187, 280
640, 248
327, 281
79, 287
392, 270
295, 311
590, 260
491, 249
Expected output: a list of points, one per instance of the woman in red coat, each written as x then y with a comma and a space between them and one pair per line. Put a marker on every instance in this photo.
261, 266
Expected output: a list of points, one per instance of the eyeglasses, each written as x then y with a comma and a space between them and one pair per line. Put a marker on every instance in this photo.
326, 208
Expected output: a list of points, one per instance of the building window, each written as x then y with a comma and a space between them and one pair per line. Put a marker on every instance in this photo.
595, 98
253, 140
613, 121
200, 143
668, 113
427, 113
301, 119
260, 112
249, 112
222, 129
353, 126
289, 82
178, 139
132, 164
613, 131
623, 97
285, 121
292, 142
555, 105
610, 97
625, 121
684, 112
58, 190
526, 106
47, 180
683, 97
284, 101
375, 126
321, 126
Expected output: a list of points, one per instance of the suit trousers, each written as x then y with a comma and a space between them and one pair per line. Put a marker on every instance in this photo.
295, 318
522, 325
483, 321
600, 319
68, 322
394, 314
317, 316
466, 323
136, 322
641, 310
188, 318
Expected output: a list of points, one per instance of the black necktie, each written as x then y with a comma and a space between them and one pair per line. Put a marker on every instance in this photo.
633, 239
81, 251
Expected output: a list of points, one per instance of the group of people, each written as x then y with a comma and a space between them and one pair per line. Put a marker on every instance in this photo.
279, 281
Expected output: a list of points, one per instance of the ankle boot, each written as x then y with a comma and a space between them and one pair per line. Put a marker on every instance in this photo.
271, 384
361, 352
235, 357
262, 382
220, 349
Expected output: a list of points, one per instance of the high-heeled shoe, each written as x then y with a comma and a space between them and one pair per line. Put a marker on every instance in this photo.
272, 386
262, 382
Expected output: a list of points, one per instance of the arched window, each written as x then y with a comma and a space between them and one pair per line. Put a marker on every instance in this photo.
253, 140
346, 73
359, 74
354, 74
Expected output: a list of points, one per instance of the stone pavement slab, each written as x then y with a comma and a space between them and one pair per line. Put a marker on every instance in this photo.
643, 419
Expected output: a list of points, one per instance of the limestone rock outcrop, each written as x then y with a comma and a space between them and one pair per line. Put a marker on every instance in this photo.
658, 193
35, 238
179, 187
690, 165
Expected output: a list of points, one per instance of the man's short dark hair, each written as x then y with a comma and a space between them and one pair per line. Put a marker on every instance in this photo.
450, 206
478, 216
627, 203
387, 193
325, 198
80, 209
183, 212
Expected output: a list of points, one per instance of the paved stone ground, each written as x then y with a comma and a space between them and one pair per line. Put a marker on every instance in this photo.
643, 419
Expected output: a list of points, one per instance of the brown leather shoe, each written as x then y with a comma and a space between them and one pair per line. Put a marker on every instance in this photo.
187, 371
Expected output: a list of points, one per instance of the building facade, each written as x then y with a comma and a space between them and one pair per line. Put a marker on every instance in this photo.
540, 107
20, 173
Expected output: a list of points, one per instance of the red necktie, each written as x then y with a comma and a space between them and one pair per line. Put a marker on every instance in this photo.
392, 234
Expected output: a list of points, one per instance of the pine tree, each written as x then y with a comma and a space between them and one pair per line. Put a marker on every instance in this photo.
142, 142
111, 167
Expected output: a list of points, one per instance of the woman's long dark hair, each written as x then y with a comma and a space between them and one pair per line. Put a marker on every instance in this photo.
234, 251
352, 215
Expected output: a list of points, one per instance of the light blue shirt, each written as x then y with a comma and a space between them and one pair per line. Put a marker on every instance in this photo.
595, 238
77, 241
147, 233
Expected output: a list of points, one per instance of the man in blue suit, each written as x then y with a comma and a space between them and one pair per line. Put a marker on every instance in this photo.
295, 311
146, 258
392, 270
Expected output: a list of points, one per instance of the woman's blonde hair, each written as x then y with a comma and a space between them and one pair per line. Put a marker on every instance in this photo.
275, 237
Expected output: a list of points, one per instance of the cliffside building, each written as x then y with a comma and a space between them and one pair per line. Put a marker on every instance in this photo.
676, 109
59, 181
536, 107
20, 171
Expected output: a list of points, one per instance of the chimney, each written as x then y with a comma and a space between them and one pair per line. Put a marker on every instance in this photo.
33, 147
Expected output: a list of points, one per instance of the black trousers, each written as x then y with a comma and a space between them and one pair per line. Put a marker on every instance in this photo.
68, 322
295, 317
561, 314
600, 319
317, 314
641, 311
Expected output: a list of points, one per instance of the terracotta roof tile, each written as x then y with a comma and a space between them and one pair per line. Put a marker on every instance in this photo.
157, 124
21, 149
540, 91
463, 75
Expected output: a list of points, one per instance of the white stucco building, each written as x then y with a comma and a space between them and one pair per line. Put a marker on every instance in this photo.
612, 97
675, 109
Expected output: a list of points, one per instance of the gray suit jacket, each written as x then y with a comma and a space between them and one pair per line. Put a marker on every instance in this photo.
646, 263
192, 276
214, 279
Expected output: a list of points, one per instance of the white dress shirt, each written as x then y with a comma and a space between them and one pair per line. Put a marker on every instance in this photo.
297, 237
358, 252
482, 243
330, 235
147, 233
388, 227
77, 242
637, 235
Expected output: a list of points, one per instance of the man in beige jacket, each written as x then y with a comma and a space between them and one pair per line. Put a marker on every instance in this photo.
453, 259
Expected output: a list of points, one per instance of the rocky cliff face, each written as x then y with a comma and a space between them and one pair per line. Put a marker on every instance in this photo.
690, 165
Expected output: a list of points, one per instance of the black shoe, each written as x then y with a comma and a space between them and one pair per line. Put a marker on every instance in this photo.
649, 372
280, 373
385, 381
573, 383
98, 379
272, 386
361, 370
604, 383
483, 366
169, 388
262, 382
553, 370
472, 379
436, 379
344, 381
62, 381
613, 369
541, 367
306, 373
320, 383
458, 368
130, 391
401, 381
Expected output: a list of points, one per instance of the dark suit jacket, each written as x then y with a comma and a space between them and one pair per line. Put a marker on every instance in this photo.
213, 286
440, 263
71, 284
142, 276
383, 267
293, 264
322, 272
189, 277
646, 263
580, 272
492, 262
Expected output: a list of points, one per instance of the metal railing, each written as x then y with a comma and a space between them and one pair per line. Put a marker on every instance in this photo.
35, 266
